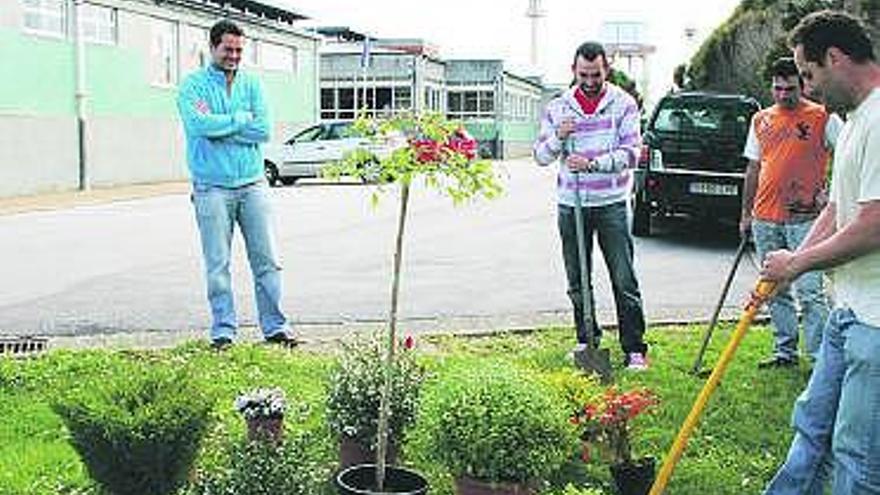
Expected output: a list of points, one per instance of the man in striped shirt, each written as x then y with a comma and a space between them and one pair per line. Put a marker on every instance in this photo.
592, 129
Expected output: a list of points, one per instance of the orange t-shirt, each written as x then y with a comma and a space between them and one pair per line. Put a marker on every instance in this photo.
794, 161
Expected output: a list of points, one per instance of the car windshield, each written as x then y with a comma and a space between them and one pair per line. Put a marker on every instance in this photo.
310, 134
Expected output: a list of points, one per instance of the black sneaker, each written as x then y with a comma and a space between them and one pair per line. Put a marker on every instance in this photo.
777, 362
221, 343
282, 339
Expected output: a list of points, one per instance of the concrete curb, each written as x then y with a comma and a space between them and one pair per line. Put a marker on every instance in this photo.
319, 335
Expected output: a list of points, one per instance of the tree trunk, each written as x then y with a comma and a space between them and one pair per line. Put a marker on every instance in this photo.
384, 405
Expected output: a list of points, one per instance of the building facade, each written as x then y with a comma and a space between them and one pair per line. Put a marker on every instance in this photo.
124, 128
498, 107
386, 76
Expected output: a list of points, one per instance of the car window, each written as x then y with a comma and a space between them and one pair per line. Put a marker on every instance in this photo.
310, 134
340, 130
703, 116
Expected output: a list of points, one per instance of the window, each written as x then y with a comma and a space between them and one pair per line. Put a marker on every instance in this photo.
471, 104
432, 98
278, 58
338, 103
194, 44
163, 53
98, 23
402, 98
486, 102
251, 53
47, 17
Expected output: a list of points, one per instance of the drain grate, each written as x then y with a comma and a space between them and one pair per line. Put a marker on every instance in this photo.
22, 346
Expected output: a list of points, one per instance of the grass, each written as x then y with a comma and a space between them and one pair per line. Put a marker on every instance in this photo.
742, 437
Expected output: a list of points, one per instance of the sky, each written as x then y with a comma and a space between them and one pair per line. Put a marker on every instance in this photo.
500, 28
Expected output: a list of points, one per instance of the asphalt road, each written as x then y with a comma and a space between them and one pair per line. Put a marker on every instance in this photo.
132, 269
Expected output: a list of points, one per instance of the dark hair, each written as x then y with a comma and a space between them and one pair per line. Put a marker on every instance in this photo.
783, 67
224, 27
590, 50
821, 30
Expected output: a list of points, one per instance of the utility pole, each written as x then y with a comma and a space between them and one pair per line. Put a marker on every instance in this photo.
535, 13
80, 95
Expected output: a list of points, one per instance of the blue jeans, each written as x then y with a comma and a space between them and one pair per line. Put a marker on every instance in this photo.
610, 223
837, 418
217, 210
810, 293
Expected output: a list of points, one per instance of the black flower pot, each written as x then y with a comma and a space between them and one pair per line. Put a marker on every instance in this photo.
361, 480
634, 478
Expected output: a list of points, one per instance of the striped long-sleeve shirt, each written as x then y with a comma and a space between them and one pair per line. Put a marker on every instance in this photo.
610, 136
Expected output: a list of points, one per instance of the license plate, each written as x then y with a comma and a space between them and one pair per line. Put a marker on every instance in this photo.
710, 189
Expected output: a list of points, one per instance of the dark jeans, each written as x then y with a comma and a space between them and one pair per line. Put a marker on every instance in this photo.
611, 225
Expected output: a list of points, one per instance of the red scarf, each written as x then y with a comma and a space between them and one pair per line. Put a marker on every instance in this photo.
588, 104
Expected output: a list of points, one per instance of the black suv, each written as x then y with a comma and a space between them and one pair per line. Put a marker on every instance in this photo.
692, 159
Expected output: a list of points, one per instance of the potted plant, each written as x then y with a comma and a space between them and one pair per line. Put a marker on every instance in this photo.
496, 428
263, 410
424, 147
606, 422
354, 396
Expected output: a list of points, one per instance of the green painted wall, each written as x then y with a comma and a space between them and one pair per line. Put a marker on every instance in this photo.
519, 131
293, 98
481, 131
42, 82
38, 75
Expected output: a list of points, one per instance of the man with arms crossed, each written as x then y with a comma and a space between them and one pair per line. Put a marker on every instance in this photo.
225, 119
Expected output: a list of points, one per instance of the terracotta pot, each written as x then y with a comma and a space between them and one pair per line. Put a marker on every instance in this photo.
266, 429
465, 485
351, 452
361, 480
634, 478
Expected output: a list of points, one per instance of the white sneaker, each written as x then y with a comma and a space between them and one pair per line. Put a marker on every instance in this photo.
637, 362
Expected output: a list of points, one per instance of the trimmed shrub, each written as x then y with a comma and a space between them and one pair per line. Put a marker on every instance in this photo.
264, 468
355, 390
496, 423
137, 432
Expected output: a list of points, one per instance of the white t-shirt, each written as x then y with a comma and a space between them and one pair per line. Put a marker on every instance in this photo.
855, 180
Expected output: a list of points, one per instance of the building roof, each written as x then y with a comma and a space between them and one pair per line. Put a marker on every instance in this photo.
264, 8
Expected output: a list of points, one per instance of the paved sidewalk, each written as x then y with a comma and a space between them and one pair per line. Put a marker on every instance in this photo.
95, 196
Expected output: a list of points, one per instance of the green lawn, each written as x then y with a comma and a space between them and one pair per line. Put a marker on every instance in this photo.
743, 435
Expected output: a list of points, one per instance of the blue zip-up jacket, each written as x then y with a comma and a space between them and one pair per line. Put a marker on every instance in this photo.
223, 129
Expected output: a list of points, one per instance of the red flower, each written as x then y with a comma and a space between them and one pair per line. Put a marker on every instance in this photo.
427, 150
607, 420
409, 342
462, 143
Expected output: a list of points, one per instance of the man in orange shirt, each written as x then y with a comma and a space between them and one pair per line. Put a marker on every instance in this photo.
788, 150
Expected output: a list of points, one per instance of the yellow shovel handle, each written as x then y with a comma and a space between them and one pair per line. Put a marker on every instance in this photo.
762, 292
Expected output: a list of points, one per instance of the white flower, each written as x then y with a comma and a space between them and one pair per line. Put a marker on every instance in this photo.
261, 403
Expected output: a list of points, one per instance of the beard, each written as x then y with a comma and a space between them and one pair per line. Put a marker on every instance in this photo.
591, 91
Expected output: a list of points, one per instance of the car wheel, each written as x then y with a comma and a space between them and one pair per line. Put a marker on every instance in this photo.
271, 173
641, 226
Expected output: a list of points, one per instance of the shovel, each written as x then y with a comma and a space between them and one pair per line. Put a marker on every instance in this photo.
591, 358
698, 363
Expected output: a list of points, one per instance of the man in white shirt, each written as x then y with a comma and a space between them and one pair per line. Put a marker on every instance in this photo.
837, 417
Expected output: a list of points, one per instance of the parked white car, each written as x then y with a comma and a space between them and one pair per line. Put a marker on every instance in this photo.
307, 152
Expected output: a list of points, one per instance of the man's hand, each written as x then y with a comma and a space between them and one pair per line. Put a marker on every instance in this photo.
779, 267
565, 129
577, 163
